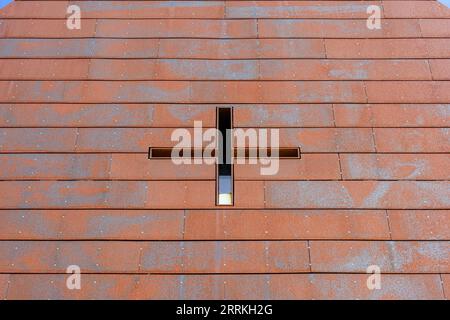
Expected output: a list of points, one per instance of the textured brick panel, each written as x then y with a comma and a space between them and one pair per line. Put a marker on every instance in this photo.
4, 278
408, 92
387, 48
395, 167
165, 257
44, 69
435, 27
24, 28
164, 48
440, 69
446, 285
391, 257
286, 224
117, 9
91, 224
176, 69
392, 115
288, 115
415, 9
314, 286
106, 115
332, 286
310, 167
42, 139
338, 28
139, 139
297, 9
166, 28
328, 139
240, 49
357, 194
137, 166
345, 70
420, 225
412, 140
54, 166
108, 194
184, 91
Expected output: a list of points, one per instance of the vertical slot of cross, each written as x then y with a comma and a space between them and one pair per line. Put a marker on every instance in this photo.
224, 166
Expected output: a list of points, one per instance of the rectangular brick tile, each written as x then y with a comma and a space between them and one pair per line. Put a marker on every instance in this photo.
440, 69
112, 194
435, 27
280, 286
240, 48
412, 140
54, 166
184, 91
35, 9
395, 166
43, 28
138, 166
4, 278
392, 115
357, 194
152, 9
164, 48
176, 28
124, 139
27, 69
53, 287
285, 224
177, 194
139, 139
336, 28
309, 167
415, 9
91, 224
446, 284
29, 224
79, 48
345, 70
303, 115
328, 139
173, 69
225, 257
27, 257
249, 194
106, 115
311, 92
420, 225
37, 140
387, 48
297, 9
391, 256
408, 92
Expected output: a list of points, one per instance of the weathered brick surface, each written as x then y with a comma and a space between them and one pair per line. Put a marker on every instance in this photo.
392, 115
286, 224
395, 166
418, 225
281, 286
368, 108
391, 257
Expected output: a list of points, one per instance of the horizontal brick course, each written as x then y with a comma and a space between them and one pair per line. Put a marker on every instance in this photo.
420, 225
357, 194
282, 286
395, 166
368, 108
